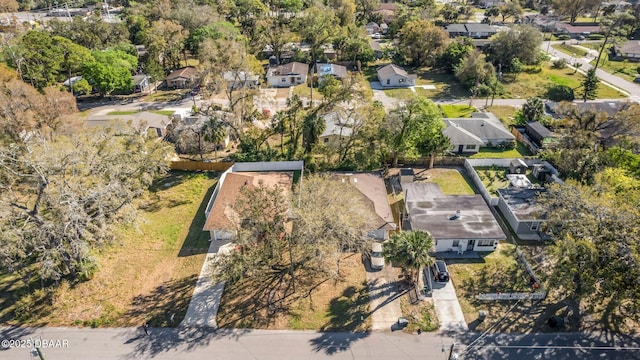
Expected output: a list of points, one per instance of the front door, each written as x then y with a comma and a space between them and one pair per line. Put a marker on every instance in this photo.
293, 79
470, 245
460, 148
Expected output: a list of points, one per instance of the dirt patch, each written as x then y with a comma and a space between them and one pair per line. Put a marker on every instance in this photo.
421, 315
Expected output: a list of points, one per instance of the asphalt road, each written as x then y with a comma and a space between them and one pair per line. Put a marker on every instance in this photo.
176, 344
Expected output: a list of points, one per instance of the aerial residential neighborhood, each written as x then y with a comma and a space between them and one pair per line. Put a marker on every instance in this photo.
313, 180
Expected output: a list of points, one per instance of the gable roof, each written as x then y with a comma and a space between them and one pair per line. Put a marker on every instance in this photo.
484, 126
222, 215
185, 72
470, 27
141, 121
631, 47
338, 71
389, 70
458, 135
372, 187
292, 68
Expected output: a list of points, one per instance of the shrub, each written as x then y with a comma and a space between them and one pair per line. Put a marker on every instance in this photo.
595, 37
560, 63
560, 93
563, 37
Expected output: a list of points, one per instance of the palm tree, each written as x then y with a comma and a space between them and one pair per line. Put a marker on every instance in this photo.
409, 250
533, 109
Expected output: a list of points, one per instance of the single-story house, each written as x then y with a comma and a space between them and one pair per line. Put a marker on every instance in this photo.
538, 133
393, 76
240, 79
144, 122
223, 221
291, 74
182, 78
630, 50
544, 23
467, 135
577, 30
141, 83
378, 53
374, 193
520, 208
387, 11
337, 71
472, 30
456, 222
336, 130
372, 28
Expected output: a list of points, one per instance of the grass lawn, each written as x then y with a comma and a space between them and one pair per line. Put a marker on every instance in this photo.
592, 45
447, 87
328, 306
163, 112
421, 315
570, 50
496, 272
399, 93
532, 83
495, 178
147, 274
130, 112
451, 181
167, 95
504, 113
457, 111
304, 92
493, 153
625, 69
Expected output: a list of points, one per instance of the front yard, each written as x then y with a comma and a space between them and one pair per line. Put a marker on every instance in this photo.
147, 274
328, 306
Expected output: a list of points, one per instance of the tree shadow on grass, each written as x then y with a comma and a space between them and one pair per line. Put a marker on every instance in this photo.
166, 305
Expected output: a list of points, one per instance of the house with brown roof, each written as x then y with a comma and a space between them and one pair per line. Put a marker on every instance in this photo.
393, 76
223, 221
374, 195
630, 50
182, 78
291, 74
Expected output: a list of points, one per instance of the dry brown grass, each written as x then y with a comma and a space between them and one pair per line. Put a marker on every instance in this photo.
318, 303
148, 274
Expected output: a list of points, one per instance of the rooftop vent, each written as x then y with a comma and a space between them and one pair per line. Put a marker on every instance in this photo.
456, 216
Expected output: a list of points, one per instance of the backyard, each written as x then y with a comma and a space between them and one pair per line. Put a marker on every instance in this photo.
491, 153
147, 274
451, 181
494, 178
319, 304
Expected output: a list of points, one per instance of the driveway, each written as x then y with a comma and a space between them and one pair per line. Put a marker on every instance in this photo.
384, 298
447, 306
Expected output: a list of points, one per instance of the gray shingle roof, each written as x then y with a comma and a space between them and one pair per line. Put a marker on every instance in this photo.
480, 126
392, 69
292, 68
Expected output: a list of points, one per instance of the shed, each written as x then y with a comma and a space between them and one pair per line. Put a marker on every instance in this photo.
406, 176
517, 166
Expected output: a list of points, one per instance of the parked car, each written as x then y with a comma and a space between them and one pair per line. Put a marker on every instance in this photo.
440, 271
377, 261
636, 79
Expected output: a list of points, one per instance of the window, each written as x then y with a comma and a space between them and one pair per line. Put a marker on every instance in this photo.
470, 147
326, 140
485, 242
401, 80
284, 80
388, 81
455, 243
534, 226
299, 78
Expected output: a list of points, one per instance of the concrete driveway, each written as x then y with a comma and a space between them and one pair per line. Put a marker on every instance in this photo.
384, 298
447, 306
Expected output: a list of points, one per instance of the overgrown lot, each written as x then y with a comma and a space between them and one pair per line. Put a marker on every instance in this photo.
329, 305
148, 274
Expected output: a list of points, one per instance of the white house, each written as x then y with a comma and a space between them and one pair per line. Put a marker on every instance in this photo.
286, 75
239, 79
467, 135
457, 223
393, 76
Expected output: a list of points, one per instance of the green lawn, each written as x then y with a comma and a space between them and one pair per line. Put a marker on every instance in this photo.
457, 111
570, 50
451, 181
625, 69
504, 113
130, 112
447, 87
535, 83
492, 153
167, 95
399, 93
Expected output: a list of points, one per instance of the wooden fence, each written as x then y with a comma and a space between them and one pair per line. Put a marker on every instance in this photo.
200, 165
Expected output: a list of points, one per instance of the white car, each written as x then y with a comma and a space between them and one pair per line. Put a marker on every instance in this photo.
377, 261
